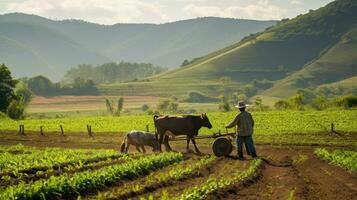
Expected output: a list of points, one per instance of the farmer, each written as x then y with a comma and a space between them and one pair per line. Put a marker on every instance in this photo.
245, 123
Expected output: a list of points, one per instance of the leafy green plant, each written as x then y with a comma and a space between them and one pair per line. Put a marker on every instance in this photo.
71, 186
178, 172
211, 185
342, 158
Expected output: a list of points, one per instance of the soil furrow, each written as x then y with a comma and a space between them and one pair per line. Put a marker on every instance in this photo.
223, 167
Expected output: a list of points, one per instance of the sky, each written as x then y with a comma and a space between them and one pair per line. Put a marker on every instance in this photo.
159, 11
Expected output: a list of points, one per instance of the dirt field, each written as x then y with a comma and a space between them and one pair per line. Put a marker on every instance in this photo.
288, 171
84, 103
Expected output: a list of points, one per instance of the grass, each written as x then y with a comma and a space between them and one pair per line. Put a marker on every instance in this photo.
267, 122
84, 106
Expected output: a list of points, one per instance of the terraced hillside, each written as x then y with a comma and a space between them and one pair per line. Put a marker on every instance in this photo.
338, 64
321, 42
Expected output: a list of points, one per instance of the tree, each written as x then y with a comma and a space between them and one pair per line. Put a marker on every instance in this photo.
185, 62
347, 101
297, 100
24, 93
258, 102
319, 103
7, 86
198, 97
41, 85
242, 97
120, 106
109, 106
281, 105
16, 109
163, 105
224, 105
225, 81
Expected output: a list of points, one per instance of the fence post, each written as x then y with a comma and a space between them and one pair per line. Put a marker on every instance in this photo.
332, 128
20, 130
89, 129
41, 130
147, 127
23, 130
62, 132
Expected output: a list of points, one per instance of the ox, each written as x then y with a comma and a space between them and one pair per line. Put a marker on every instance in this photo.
177, 125
139, 139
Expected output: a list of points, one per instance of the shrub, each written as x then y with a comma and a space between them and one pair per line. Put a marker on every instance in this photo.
224, 105
347, 101
16, 110
145, 107
297, 101
197, 97
167, 105
2, 115
319, 103
24, 93
281, 105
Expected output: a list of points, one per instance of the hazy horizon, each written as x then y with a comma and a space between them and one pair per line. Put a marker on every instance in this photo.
110, 12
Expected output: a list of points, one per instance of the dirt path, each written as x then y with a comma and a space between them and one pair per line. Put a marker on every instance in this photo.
326, 181
307, 178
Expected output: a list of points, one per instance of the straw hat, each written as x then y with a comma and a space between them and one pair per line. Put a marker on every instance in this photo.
241, 104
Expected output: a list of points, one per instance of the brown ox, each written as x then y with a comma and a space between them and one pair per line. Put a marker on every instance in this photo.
177, 125
139, 139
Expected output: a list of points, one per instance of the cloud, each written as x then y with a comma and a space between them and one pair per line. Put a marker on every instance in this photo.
201, 11
296, 2
262, 10
99, 11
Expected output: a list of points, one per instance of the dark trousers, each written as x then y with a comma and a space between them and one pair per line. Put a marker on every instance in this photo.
249, 144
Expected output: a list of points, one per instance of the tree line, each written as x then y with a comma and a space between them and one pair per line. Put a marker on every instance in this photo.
113, 72
42, 86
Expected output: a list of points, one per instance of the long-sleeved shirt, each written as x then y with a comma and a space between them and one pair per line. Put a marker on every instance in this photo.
245, 123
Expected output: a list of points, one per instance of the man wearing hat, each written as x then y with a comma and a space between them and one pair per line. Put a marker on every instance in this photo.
245, 123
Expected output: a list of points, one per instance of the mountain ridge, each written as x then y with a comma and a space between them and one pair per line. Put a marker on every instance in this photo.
166, 44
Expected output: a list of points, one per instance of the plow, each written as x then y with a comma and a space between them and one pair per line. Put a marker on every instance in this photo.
221, 146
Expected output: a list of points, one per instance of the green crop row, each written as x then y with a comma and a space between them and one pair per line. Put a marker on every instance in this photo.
211, 185
70, 186
269, 122
342, 158
178, 172
48, 158
13, 179
16, 149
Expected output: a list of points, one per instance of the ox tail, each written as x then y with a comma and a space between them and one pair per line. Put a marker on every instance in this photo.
123, 144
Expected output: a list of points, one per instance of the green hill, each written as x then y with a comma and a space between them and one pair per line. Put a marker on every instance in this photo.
60, 45
319, 46
338, 63
34, 49
345, 86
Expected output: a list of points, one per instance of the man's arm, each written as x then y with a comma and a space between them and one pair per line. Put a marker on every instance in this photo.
252, 120
233, 123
